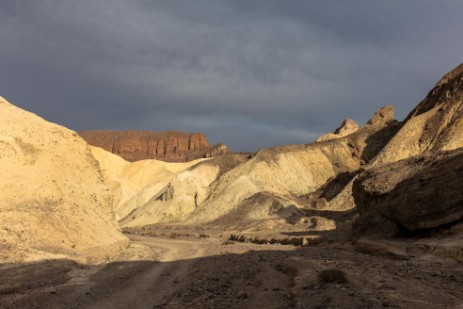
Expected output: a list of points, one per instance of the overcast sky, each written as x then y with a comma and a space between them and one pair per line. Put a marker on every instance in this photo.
250, 73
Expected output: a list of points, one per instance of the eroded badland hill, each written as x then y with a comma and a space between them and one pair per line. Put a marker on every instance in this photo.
369, 216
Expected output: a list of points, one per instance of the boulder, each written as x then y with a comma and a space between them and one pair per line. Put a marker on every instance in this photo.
417, 193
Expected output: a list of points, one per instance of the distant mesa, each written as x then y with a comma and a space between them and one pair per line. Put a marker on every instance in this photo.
170, 146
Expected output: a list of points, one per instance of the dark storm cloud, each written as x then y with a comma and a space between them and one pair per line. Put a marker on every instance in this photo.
247, 72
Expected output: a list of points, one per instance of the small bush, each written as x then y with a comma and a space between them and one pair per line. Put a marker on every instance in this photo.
287, 269
237, 238
332, 276
259, 241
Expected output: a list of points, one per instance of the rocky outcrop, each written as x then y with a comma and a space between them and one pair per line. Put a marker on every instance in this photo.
384, 115
53, 201
412, 183
165, 146
347, 127
417, 193
435, 124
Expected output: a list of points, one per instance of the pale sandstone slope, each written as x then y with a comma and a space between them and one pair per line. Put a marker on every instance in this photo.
134, 184
53, 201
277, 182
435, 124
174, 200
283, 172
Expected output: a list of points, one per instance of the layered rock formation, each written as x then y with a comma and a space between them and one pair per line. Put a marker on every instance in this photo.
53, 201
314, 183
165, 146
270, 186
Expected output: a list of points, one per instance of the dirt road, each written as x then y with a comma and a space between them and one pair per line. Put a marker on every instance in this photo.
153, 286
208, 274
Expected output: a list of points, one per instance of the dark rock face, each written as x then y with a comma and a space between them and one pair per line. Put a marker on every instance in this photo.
165, 146
417, 193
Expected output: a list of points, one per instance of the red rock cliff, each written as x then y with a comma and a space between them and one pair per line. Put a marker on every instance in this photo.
168, 146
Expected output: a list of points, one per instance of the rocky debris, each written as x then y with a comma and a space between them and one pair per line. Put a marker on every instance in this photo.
417, 193
168, 146
435, 124
347, 127
373, 224
53, 201
384, 248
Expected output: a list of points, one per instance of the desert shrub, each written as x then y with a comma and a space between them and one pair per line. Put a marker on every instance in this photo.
237, 238
297, 242
332, 276
173, 235
259, 241
287, 269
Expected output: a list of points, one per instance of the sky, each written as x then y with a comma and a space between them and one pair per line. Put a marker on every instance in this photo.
249, 73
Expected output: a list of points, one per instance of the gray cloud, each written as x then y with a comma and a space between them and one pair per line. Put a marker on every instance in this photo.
249, 73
